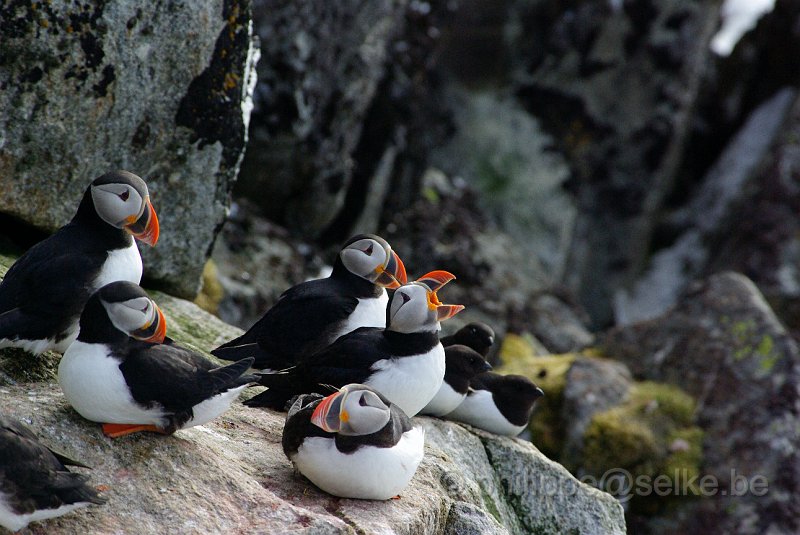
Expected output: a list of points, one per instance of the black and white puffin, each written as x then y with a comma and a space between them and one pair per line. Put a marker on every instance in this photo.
462, 363
35, 483
404, 361
309, 316
475, 335
118, 372
42, 295
353, 443
500, 404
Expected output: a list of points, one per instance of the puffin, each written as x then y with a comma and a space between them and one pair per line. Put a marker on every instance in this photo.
354, 443
404, 361
309, 316
35, 483
462, 363
475, 335
123, 373
43, 293
500, 404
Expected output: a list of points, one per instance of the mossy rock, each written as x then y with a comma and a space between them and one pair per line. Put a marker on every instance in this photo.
211, 292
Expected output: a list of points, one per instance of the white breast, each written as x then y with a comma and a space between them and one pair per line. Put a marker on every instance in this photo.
121, 265
445, 400
478, 409
409, 382
207, 410
368, 313
15, 522
370, 473
95, 387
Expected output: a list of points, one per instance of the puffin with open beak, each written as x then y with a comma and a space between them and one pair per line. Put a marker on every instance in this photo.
35, 483
404, 361
310, 316
43, 293
121, 371
353, 443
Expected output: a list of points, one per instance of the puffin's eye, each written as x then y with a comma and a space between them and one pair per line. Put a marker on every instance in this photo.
124, 195
362, 401
368, 250
406, 298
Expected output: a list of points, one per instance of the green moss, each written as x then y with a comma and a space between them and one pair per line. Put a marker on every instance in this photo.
667, 401
212, 292
614, 439
19, 366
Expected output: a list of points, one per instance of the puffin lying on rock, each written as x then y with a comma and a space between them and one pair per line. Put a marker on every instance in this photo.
500, 404
42, 295
310, 316
353, 443
461, 365
118, 372
35, 483
404, 361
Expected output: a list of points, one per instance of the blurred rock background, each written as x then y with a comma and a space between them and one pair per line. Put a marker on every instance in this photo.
614, 182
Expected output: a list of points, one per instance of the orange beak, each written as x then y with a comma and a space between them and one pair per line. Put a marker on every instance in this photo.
155, 331
146, 227
436, 279
326, 415
444, 312
394, 274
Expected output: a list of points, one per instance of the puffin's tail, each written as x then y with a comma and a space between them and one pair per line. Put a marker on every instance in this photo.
72, 488
280, 391
231, 376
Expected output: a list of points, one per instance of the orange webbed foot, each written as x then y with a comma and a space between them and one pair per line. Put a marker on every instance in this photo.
120, 430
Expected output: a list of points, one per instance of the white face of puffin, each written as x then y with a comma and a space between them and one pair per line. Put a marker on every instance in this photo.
374, 260
415, 307
139, 318
354, 410
122, 206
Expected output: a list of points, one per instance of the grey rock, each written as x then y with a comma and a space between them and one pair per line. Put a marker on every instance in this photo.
161, 91
592, 385
322, 62
728, 185
557, 325
614, 86
724, 345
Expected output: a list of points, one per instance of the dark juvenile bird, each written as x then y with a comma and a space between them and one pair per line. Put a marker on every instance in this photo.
404, 361
118, 372
476, 335
461, 365
42, 295
310, 316
353, 443
35, 483
501, 404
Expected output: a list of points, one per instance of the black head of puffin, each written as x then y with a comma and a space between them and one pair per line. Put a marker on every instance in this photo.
354, 410
131, 311
122, 200
415, 306
372, 258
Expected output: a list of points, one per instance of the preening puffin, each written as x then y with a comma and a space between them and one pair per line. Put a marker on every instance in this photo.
309, 316
353, 443
42, 295
118, 372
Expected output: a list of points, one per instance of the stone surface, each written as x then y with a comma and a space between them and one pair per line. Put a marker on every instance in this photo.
614, 84
322, 62
730, 186
231, 475
725, 346
163, 92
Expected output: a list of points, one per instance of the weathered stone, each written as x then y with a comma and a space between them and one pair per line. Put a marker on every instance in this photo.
163, 92
723, 344
728, 189
614, 84
322, 62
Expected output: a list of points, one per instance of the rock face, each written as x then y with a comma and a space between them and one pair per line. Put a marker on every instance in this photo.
163, 92
231, 475
724, 345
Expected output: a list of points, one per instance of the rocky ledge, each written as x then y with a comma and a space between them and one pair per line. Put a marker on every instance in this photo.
231, 475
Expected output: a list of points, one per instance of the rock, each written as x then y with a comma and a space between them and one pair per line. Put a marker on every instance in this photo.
723, 345
592, 385
231, 475
728, 188
321, 66
163, 92
561, 326
614, 84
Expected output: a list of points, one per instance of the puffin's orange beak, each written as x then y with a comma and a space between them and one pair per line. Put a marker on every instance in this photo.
326, 416
394, 274
146, 227
155, 331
